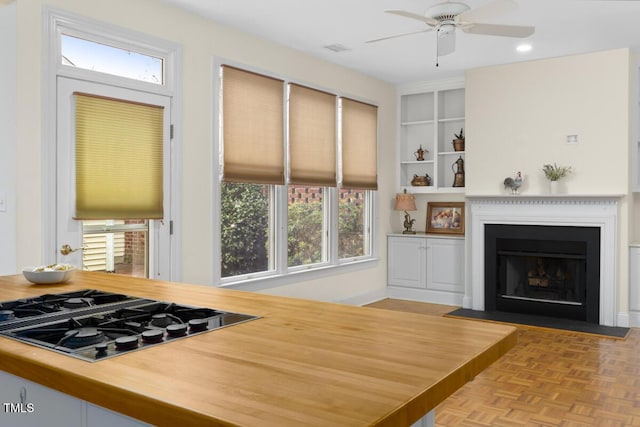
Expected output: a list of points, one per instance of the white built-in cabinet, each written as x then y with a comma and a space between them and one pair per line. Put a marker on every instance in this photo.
425, 267
27, 404
430, 114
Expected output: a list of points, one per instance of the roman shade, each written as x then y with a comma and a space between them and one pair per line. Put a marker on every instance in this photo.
359, 145
312, 137
252, 127
118, 158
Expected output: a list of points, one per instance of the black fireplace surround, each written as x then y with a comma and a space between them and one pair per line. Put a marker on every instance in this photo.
543, 270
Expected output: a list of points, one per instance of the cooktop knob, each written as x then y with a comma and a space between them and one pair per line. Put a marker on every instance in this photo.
127, 343
198, 325
101, 349
152, 336
177, 330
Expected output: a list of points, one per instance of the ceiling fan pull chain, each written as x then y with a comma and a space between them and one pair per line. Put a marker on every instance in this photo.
437, 46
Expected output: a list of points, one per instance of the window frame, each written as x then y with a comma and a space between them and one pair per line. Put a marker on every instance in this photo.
282, 274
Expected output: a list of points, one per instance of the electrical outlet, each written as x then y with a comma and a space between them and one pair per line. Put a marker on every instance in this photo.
3, 201
572, 139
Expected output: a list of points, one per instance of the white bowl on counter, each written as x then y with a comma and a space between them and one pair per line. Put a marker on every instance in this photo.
58, 273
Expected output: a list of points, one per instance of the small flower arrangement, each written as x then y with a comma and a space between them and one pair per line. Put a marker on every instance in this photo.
555, 172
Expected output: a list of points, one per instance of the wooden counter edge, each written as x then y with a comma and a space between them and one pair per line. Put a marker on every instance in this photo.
433, 396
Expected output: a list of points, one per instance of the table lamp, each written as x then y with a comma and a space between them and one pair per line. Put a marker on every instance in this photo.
406, 202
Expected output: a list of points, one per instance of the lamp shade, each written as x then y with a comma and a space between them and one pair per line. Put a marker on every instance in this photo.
405, 202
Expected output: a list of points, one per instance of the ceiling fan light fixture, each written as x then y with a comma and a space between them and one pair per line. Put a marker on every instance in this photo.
446, 28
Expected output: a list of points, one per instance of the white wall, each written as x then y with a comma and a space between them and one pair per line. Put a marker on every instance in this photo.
8, 139
518, 117
201, 40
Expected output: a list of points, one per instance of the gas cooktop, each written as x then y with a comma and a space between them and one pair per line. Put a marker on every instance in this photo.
94, 325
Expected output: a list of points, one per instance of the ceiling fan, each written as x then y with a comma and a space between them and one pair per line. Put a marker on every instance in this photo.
445, 17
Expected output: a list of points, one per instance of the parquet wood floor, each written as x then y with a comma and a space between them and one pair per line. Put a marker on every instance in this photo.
550, 378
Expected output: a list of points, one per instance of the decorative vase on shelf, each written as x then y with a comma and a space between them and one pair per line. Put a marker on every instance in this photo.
458, 143
553, 187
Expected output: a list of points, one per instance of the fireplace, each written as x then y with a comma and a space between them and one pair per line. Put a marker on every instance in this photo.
598, 212
543, 270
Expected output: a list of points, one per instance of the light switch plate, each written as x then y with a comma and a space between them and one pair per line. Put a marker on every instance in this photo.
3, 201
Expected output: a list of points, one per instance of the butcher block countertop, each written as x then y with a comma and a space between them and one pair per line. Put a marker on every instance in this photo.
302, 363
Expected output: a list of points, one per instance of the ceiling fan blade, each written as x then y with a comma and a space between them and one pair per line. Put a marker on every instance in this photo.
446, 43
398, 35
499, 30
425, 19
488, 11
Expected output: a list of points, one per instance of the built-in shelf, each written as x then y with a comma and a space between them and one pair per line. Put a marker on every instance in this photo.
430, 116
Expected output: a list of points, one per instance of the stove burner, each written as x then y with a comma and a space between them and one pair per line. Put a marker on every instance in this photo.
152, 336
177, 330
7, 315
78, 302
127, 343
94, 325
198, 325
81, 337
161, 320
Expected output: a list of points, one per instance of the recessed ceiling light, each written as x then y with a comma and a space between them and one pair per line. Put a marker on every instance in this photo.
524, 47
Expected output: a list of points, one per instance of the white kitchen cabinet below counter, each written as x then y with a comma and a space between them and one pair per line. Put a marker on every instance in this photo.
27, 404
425, 267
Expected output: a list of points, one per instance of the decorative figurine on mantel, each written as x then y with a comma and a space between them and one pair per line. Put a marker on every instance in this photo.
420, 154
513, 183
458, 143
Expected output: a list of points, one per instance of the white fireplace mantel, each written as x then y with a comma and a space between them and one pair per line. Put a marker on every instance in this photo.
552, 210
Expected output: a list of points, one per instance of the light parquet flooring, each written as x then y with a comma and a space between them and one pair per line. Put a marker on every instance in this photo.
550, 378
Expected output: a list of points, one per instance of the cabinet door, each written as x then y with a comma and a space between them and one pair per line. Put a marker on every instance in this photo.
445, 265
406, 264
30, 405
101, 417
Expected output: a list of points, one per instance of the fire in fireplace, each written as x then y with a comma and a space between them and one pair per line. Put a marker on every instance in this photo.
544, 270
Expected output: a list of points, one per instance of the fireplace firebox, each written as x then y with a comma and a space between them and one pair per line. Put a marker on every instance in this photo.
543, 270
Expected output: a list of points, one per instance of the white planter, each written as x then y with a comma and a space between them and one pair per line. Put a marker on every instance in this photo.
554, 187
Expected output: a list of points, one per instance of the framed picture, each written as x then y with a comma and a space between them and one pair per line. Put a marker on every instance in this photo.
445, 217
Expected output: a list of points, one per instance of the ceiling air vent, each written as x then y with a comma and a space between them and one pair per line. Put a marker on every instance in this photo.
336, 48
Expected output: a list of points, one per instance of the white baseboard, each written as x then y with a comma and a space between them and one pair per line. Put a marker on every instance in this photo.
366, 298
425, 295
633, 319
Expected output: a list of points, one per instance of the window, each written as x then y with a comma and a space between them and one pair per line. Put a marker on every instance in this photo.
353, 224
245, 242
282, 174
103, 58
116, 246
306, 225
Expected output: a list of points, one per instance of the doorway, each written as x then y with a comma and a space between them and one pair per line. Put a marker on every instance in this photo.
132, 246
